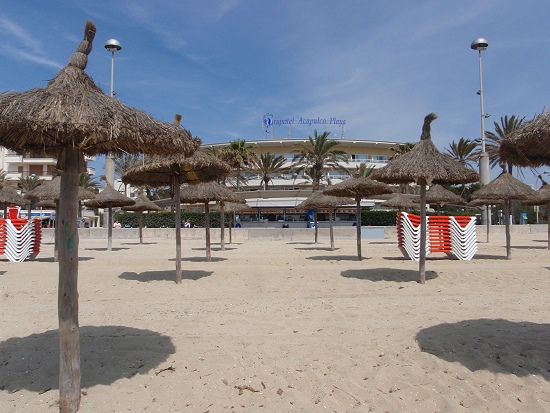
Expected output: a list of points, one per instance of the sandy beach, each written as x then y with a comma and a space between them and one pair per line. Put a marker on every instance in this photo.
279, 326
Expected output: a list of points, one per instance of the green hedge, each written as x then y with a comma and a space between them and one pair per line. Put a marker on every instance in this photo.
166, 219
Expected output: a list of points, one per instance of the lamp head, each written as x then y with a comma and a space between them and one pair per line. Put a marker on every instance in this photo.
479, 44
113, 45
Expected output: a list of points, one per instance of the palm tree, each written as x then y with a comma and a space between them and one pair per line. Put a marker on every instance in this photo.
402, 148
238, 154
363, 171
267, 165
3, 180
463, 151
493, 140
317, 154
89, 183
28, 184
124, 163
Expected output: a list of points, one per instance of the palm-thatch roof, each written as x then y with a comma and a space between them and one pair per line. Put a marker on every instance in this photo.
9, 195
208, 192
230, 206
358, 187
142, 203
109, 197
73, 110
51, 190
46, 204
529, 145
542, 196
160, 170
439, 195
505, 187
400, 201
424, 161
320, 200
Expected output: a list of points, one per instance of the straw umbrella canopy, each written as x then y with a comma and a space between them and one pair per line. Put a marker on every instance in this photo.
439, 195
109, 198
51, 191
206, 193
529, 145
9, 196
174, 170
425, 165
401, 201
46, 204
542, 198
69, 118
142, 203
505, 187
358, 187
320, 200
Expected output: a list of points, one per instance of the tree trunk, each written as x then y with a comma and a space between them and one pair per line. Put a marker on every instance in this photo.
358, 228
507, 226
177, 203
110, 229
141, 227
331, 226
488, 221
56, 233
222, 225
69, 334
207, 226
422, 260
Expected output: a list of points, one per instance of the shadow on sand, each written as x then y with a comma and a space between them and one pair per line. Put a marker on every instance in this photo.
200, 259
387, 274
105, 249
138, 243
167, 275
500, 346
50, 259
107, 353
336, 258
316, 249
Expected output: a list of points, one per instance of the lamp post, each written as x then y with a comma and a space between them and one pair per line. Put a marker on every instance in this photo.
480, 44
112, 45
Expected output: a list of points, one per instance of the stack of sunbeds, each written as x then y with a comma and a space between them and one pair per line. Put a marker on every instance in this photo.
20, 238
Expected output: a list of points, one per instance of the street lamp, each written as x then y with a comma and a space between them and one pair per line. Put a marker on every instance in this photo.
112, 45
480, 44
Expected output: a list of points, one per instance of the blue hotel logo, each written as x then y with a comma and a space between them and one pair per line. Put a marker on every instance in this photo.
270, 121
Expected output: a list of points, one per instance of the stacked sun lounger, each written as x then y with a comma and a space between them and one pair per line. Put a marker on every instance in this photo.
454, 236
20, 239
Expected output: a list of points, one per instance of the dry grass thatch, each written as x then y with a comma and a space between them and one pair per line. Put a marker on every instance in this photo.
529, 145
320, 200
109, 197
142, 203
51, 190
504, 188
158, 170
439, 195
73, 111
208, 192
230, 206
358, 187
542, 196
425, 162
401, 201
9, 195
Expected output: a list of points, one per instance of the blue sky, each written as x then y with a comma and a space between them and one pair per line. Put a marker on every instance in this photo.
223, 64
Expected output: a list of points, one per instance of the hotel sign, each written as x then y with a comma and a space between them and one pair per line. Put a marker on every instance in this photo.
269, 121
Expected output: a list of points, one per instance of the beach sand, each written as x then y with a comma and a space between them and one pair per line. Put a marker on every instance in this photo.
284, 327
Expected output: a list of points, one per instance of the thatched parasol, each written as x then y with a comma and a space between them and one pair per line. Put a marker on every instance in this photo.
69, 118
9, 195
439, 195
401, 202
358, 188
51, 191
206, 193
425, 165
142, 203
529, 145
46, 204
175, 170
224, 207
505, 187
109, 198
542, 198
319, 200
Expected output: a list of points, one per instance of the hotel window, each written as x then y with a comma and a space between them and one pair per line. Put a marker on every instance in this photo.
379, 158
359, 158
36, 170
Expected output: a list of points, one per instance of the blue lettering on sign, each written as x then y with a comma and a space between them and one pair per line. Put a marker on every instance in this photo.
269, 120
